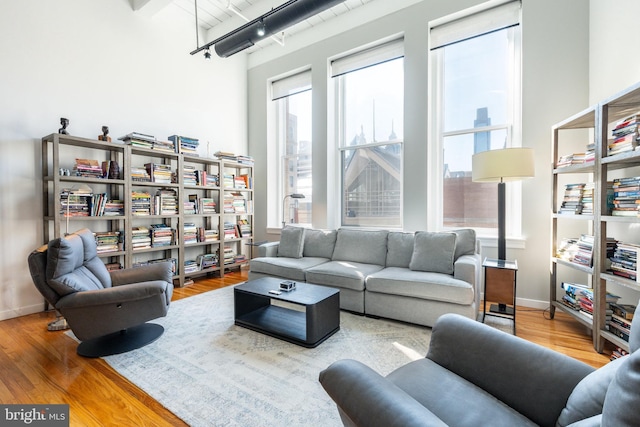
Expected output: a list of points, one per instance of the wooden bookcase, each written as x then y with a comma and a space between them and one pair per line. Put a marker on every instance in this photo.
58, 155
596, 122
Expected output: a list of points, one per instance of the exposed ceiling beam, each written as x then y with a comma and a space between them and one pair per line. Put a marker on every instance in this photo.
149, 7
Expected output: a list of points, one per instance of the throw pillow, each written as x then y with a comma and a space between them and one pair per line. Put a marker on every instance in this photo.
367, 247
319, 243
587, 398
433, 252
291, 242
465, 242
622, 400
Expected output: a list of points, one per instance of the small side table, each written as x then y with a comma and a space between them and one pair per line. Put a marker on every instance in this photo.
500, 287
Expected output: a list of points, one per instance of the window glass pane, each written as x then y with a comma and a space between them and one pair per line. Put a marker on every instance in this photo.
467, 203
477, 77
372, 188
373, 101
295, 154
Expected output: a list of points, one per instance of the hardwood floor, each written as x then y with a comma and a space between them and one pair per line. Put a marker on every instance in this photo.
38, 366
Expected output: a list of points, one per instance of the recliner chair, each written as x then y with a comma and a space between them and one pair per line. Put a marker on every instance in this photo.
476, 375
105, 310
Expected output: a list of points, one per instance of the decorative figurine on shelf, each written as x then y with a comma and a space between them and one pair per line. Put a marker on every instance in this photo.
64, 122
105, 134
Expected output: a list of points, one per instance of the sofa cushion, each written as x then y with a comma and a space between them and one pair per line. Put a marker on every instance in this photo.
587, 398
465, 242
367, 247
434, 252
287, 268
291, 242
342, 274
399, 249
623, 399
467, 405
319, 243
420, 284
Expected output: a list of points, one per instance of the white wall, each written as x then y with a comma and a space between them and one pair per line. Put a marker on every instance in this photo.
555, 85
97, 63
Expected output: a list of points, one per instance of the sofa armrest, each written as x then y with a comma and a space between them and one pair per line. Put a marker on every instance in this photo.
468, 268
368, 399
146, 273
269, 249
115, 295
532, 379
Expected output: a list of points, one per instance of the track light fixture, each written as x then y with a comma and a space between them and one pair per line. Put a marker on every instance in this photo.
262, 29
272, 22
207, 54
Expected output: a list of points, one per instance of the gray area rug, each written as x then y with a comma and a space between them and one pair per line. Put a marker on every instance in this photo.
210, 372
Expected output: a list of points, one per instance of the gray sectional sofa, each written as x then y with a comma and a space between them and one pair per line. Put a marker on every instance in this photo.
412, 277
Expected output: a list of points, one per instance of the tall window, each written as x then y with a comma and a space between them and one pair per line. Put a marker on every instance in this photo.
292, 96
477, 107
369, 111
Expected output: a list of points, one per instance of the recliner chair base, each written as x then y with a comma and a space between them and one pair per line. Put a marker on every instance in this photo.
121, 342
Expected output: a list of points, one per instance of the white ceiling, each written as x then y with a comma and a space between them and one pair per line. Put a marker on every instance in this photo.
221, 13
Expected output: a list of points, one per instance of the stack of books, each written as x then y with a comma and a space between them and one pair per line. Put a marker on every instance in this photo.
108, 241
165, 202
88, 169
207, 261
244, 228
190, 175
579, 251
185, 145
140, 174
190, 266
75, 202
626, 196
587, 198
159, 173
140, 238
578, 297
624, 262
166, 146
230, 231
621, 318
207, 205
137, 139
624, 136
190, 235
161, 235
229, 255
114, 208
205, 235
245, 160
140, 203
225, 155
572, 200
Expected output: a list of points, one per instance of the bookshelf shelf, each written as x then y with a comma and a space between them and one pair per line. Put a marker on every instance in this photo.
616, 159
128, 157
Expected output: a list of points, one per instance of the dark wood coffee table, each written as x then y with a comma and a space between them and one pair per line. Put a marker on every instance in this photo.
317, 319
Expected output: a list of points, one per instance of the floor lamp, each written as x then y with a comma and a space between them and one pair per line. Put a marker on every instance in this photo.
284, 201
508, 164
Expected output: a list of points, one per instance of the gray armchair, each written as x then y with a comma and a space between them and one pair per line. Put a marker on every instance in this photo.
475, 375
105, 310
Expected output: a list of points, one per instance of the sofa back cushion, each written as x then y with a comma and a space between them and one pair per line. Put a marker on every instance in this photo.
433, 252
73, 265
399, 249
465, 242
367, 247
587, 398
291, 242
319, 243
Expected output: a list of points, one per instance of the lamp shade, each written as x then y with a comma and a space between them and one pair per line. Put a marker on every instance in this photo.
508, 164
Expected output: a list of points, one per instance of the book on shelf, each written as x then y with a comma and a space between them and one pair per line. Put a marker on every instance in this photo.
624, 261
624, 135
185, 144
572, 202
159, 173
243, 228
161, 235
138, 139
626, 311
108, 241
140, 238
140, 203
207, 261
88, 168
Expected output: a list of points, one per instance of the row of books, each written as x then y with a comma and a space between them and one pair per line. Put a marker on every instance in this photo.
624, 261
624, 135
83, 202
579, 251
154, 236
242, 181
626, 196
579, 297
577, 199
108, 241
164, 202
620, 321
199, 205
242, 159
588, 156
201, 263
193, 234
240, 229
195, 177
236, 203
185, 145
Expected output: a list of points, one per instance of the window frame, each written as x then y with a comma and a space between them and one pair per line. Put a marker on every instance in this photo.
435, 196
